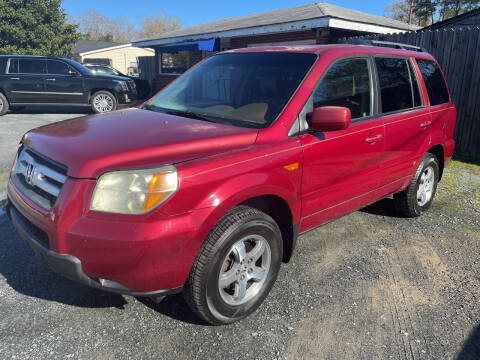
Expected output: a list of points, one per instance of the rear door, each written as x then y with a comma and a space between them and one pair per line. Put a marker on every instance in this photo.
26, 80
442, 113
341, 168
64, 84
404, 115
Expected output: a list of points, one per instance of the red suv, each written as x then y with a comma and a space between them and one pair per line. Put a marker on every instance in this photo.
206, 187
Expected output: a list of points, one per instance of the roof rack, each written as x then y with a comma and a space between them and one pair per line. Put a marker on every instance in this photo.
388, 44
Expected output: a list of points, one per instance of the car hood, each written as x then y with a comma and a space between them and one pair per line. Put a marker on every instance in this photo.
132, 138
109, 77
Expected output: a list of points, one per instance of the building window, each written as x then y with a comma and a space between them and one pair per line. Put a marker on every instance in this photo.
174, 63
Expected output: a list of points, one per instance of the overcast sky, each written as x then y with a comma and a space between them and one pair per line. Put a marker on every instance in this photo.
198, 12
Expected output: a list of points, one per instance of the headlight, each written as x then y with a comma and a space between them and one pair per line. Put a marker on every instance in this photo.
123, 85
134, 192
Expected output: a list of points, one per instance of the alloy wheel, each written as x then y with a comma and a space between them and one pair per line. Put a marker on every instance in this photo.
425, 187
103, 103
244, 270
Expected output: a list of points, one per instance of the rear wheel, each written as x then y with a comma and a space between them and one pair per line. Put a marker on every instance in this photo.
418, 196
103, 101
236, 267
3, 104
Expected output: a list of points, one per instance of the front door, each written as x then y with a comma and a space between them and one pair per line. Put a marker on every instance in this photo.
341, 168
64, 84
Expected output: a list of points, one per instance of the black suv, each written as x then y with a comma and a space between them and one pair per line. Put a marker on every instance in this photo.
143, 86
39, 80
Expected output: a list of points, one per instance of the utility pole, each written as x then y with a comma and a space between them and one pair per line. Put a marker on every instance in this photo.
411, 12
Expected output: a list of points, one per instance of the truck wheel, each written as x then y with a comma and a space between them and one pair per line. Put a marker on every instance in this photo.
418, 196
103, 101
3, 104
236, 266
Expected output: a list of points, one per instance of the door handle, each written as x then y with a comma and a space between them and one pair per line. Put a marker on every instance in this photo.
51, 79
423, 125
14, 78
372, 139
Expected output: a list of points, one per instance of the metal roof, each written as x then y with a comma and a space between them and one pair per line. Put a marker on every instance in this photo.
298, 13
82, 46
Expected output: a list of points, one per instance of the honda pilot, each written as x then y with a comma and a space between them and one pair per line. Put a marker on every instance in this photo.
206, 187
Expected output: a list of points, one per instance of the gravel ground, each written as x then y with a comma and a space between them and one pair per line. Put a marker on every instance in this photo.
368, 285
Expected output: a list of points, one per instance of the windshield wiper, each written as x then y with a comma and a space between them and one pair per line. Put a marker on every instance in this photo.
189, 114
151, 107
184, 113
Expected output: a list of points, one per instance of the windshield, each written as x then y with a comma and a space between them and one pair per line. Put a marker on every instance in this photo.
78, 66
243, 89
105, 70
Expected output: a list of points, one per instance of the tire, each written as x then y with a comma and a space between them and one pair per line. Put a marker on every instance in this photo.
103, 101
418, 196
224, 304
4, 105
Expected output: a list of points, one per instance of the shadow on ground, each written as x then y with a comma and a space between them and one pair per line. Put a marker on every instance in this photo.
383, 207
175, 307
471, 348
52, 110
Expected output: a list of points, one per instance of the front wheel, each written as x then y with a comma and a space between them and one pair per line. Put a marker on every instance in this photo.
103, 101
3, 104
236, 266
418, 196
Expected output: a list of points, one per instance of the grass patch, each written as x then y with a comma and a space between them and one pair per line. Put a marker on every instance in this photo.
466, 162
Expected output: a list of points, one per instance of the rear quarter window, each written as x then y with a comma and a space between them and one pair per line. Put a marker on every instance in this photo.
434, 81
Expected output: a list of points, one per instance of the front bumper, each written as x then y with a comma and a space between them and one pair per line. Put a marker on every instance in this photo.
125, 98
70, 266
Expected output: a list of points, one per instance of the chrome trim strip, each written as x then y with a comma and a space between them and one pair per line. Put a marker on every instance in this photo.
46, 92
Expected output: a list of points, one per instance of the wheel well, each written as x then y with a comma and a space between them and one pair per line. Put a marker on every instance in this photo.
437, 150
280, 211
3, 93
93, 91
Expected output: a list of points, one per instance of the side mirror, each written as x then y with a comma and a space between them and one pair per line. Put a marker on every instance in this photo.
73, 73
330, 118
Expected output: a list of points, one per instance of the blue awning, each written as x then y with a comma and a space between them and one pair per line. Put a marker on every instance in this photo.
208, 45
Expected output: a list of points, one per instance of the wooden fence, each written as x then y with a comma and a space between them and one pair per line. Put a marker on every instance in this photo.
146, 66
458, 52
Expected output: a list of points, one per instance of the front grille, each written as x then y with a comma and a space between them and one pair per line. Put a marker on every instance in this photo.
38, 177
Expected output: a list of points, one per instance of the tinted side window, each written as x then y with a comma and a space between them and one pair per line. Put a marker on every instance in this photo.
57, 67
13, 67
31, 66
395, 87
3, 64
436, 87
346, 84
